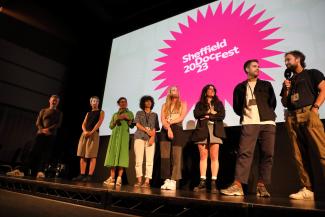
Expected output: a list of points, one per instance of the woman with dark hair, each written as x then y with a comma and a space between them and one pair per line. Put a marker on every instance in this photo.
144, 139
118, 147
209, 112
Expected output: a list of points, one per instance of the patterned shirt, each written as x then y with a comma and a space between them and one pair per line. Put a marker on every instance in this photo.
149, 120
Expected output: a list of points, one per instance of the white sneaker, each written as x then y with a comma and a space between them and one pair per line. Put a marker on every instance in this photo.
164, 186
171, 185
16, 173
303, 194
110, 181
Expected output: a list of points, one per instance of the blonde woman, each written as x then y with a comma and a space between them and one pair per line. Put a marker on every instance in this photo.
171, 142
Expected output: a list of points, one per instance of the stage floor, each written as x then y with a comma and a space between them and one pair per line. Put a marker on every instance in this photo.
156, 202
13, 204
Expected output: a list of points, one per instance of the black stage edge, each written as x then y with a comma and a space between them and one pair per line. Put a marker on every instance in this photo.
156, 202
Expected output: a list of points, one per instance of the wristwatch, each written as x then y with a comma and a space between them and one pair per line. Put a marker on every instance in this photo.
315, 106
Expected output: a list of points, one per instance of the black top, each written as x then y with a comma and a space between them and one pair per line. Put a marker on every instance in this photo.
305, 84
92, 119
202, 132
265, 99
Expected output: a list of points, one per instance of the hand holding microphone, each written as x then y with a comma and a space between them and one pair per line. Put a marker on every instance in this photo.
287, 84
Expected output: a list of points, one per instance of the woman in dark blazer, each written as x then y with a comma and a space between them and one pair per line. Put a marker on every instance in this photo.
209, 112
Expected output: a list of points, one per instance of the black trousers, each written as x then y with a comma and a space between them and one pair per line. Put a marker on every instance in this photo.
40, 154
265, 134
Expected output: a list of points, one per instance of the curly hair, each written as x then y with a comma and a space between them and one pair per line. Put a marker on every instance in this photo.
143, 101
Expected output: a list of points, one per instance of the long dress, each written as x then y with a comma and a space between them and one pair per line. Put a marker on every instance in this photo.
118, 147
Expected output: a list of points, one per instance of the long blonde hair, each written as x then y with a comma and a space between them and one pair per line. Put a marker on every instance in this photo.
168, 103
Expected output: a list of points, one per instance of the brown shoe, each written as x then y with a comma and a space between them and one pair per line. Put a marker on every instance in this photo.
214, 189
145, 185
137, 184
201, 187
233, 190
261, 191
40, 175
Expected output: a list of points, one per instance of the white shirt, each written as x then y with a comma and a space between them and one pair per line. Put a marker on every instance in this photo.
251, 115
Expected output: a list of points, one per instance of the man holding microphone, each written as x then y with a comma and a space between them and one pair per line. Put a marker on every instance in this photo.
302, 95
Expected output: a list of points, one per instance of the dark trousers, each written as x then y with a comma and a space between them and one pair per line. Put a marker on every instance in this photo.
171, 161
171, 153
250, 134
40, 154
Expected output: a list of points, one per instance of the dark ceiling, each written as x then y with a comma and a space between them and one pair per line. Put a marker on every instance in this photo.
78, 34
55, 28
73, 20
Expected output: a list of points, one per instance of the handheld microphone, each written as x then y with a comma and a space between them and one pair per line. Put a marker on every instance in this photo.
287, 73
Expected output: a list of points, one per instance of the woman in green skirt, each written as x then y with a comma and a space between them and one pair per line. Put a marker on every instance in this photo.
118, 147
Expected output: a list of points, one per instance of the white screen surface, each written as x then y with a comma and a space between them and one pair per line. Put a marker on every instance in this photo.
133, 61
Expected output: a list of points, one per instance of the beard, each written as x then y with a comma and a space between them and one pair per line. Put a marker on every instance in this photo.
292, 67
254, 75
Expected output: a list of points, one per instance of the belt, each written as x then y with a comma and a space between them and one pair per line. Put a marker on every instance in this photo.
300, 110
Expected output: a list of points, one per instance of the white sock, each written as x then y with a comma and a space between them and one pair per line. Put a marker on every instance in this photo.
214, 178
203, 177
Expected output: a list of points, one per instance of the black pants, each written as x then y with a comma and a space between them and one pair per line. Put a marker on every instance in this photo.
265, 134
40, 154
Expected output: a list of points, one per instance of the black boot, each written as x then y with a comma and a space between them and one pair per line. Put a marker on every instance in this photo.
201, 186
214, 189
79, 178
88, 178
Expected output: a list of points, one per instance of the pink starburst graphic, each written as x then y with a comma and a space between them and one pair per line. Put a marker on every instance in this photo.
213, 49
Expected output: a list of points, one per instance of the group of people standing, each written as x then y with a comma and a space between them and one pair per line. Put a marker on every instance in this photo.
147, 124
253, 100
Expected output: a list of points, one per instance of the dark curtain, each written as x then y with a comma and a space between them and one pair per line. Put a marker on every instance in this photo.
17, 132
